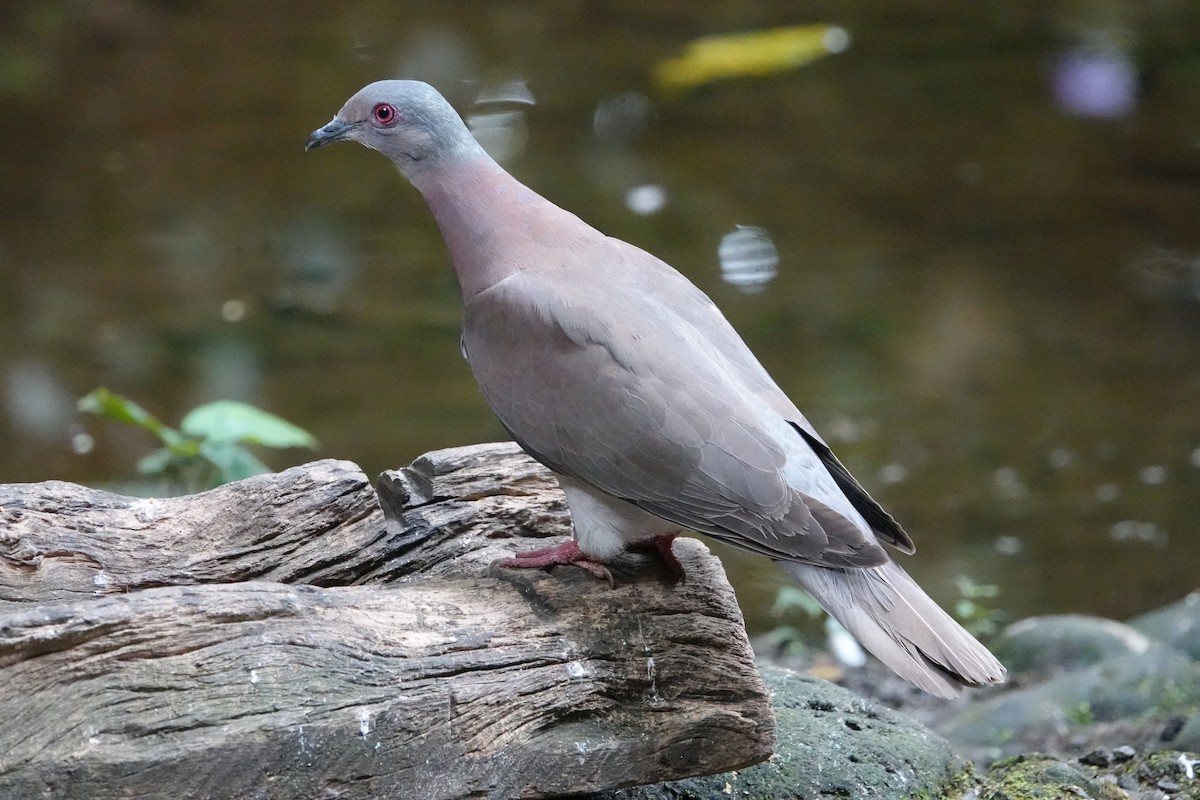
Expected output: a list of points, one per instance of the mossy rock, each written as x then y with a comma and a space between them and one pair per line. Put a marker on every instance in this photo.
1035, 776
831, 743
1040, 777
1177, 625
1131, 687
1064, 642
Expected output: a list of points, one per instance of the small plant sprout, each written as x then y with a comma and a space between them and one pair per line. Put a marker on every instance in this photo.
210, 447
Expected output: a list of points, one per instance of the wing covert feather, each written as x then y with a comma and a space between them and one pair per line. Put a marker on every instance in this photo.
640, 402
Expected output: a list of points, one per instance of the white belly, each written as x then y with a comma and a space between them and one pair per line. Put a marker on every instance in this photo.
605, 525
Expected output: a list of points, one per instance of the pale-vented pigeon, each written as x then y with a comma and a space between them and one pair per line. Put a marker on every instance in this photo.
613, 370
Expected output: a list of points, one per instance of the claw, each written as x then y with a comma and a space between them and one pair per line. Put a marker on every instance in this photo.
565, 553
663, 545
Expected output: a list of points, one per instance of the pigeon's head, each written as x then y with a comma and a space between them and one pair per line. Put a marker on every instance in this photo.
407, 121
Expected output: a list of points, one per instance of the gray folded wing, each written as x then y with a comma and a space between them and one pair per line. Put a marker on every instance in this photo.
657, 401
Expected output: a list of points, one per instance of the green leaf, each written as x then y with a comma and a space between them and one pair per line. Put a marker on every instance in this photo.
788, 640
157, 463
232, 461
111, 405
230, 421
789, 598
970, 589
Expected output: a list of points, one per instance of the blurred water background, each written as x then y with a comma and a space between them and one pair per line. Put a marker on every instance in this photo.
967, 245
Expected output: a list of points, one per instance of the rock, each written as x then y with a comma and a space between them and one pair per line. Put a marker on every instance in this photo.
1037, 776
830, 743
1187, 736
1167, 770
1041, 776
1177, 625
1064, 642
1123, 688
1122, 754
1172, 728
1100, 757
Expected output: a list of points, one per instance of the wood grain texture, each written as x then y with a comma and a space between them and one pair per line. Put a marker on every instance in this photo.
280, 638
59, 541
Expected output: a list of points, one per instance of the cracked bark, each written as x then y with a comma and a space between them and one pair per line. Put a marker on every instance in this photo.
297, 636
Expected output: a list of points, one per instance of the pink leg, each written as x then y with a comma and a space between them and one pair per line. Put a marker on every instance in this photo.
663, 545
565, 553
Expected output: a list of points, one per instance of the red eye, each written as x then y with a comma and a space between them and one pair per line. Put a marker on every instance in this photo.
384, 114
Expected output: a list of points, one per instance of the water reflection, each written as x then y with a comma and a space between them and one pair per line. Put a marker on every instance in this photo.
1166, 274
646, 199
1096, 82
622, 118
511, 92
229, 368
189, 251
749, 259
1153, 476
1128, 530
1008, 545
501, 129
441, 54
82, 442
127, 350
315, 277
1009, 486
1061, 458
892, 473
234, 309
37, 401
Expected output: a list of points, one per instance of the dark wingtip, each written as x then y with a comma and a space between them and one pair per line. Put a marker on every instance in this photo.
884, 525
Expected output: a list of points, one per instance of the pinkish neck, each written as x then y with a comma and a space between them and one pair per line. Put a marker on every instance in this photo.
488, 218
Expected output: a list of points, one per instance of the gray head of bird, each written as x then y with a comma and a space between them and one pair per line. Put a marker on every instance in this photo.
407, 121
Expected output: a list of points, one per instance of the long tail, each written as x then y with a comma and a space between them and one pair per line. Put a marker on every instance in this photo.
893, 618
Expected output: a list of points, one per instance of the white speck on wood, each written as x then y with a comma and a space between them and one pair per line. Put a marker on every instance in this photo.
364, 721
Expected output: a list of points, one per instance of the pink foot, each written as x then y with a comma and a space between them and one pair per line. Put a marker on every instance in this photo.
565, 553
663, 545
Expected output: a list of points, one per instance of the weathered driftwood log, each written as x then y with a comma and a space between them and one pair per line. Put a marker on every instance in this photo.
170, 648
62, 542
